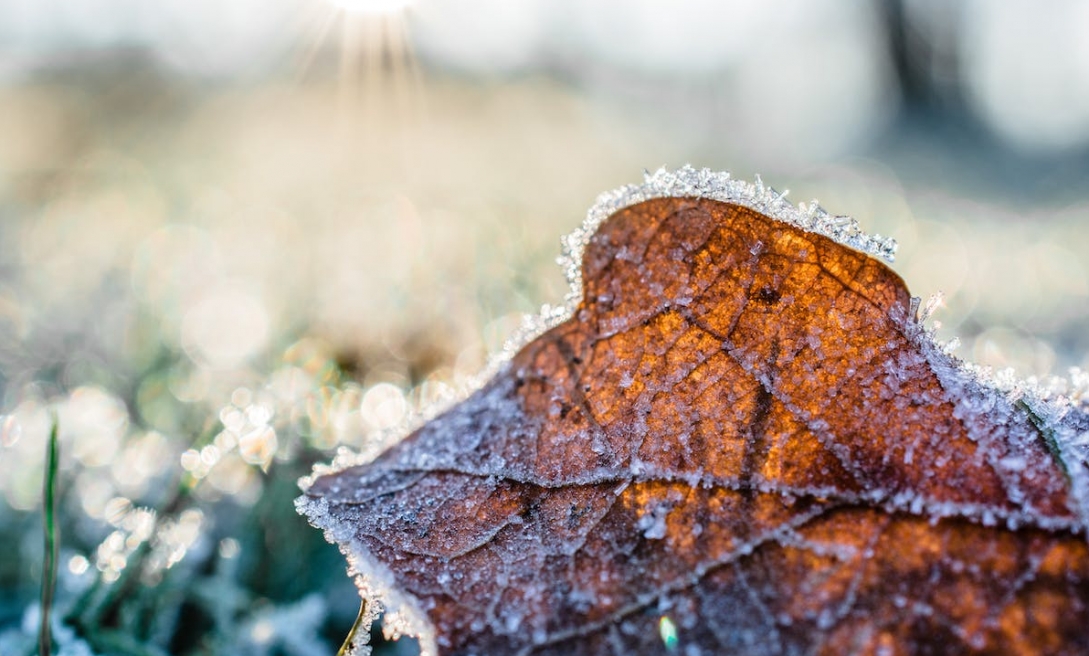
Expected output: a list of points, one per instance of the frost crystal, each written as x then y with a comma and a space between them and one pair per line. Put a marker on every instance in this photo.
403, 615
688, 182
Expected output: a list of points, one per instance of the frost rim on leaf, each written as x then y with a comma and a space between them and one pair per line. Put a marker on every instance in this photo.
689, 182
375, 582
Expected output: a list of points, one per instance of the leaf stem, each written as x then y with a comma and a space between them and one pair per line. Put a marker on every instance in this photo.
49, 561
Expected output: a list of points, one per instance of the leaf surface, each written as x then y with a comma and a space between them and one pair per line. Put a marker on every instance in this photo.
741, 441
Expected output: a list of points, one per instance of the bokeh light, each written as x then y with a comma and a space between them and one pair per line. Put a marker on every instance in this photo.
1031, 89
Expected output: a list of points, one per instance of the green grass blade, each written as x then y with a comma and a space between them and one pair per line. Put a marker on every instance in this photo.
49, 561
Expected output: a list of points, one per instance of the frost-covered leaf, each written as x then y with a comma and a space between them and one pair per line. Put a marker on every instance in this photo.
740, 441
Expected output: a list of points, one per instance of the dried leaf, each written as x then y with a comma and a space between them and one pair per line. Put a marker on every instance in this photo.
741, 441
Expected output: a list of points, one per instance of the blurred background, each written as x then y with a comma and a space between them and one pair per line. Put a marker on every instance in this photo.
235, 235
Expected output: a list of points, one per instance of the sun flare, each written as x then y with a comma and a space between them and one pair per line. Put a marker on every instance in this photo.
371, 6
377, 75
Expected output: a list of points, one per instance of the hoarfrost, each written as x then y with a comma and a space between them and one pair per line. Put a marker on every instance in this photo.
375, 582
688, 182
498, 478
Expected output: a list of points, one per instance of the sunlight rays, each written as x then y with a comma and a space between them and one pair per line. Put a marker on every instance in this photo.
377, 77
373, 7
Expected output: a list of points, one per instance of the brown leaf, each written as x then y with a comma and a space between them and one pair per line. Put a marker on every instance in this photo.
741, 442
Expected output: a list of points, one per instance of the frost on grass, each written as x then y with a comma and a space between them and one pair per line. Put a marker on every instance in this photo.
737, 437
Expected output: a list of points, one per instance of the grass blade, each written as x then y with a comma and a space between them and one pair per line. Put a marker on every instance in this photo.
348, 648
49, 561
